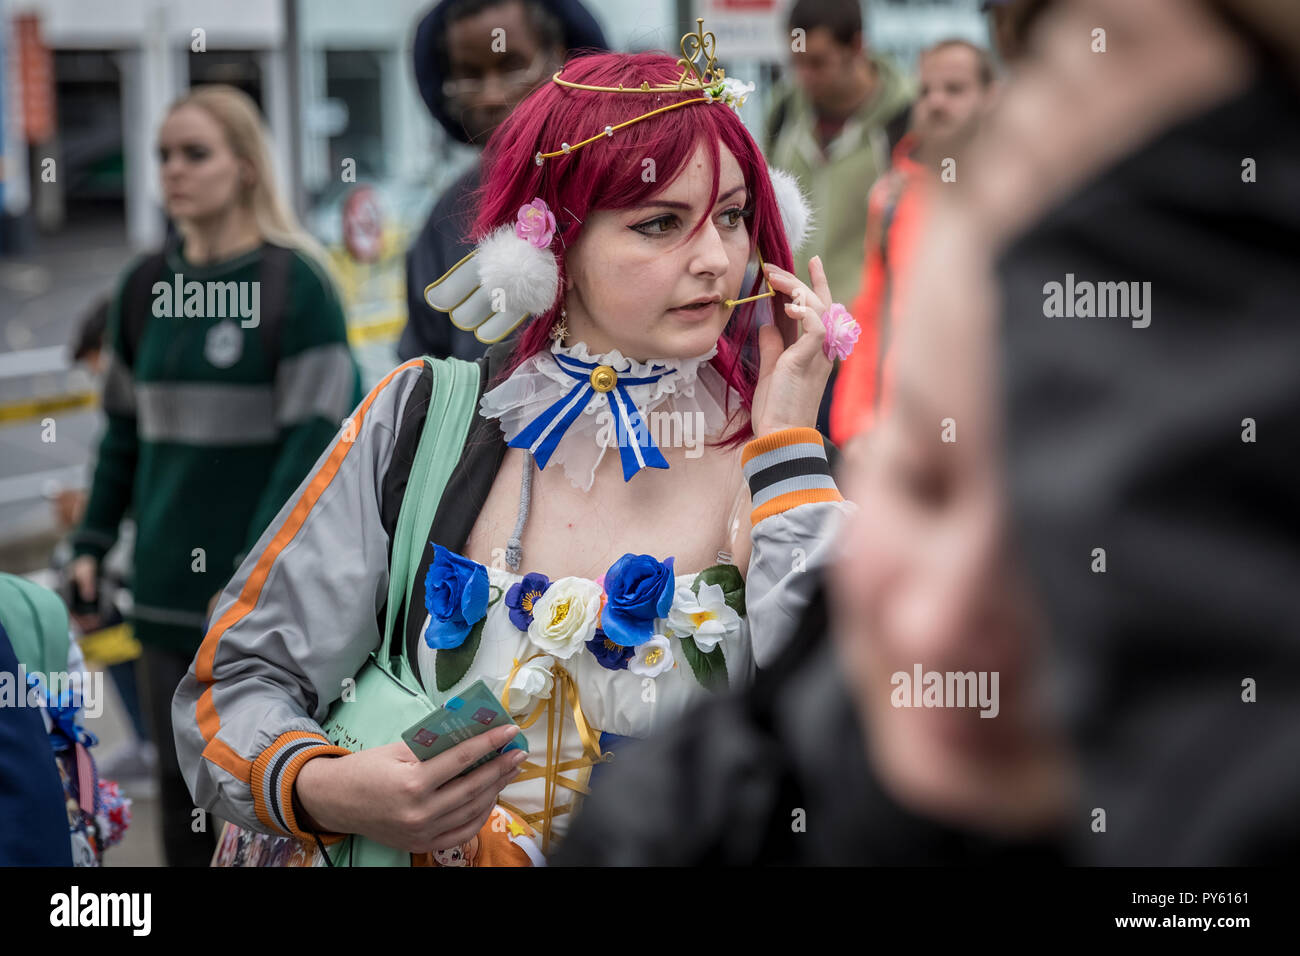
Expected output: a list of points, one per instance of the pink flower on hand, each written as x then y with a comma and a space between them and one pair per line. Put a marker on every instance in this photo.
535, 223
842, 331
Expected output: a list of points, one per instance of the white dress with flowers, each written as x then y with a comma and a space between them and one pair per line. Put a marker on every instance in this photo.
562, 661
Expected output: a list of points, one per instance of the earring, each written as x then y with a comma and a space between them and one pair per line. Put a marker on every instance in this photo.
560, 329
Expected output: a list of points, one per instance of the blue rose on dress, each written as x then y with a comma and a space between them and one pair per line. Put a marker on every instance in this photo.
520, 598
608, 654
456, 597
639, 589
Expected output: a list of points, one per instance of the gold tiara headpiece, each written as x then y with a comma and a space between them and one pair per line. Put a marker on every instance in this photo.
711, 81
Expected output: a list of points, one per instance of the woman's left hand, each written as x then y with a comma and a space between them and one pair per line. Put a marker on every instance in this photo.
791, 379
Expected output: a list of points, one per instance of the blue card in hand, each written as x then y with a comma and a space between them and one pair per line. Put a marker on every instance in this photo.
466, 715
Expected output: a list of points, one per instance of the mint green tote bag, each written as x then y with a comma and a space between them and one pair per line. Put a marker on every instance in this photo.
388, 699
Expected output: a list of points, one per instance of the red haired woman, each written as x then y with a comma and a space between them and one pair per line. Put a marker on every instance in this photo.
628, 469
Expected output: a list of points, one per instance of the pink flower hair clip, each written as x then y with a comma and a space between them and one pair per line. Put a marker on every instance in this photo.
535, 223
842, 331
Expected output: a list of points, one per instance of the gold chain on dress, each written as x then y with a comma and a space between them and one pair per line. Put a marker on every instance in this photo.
563, 691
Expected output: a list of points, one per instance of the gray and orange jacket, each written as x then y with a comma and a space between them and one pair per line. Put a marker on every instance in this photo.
306, 607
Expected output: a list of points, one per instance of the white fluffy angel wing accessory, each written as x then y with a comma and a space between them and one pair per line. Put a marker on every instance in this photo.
511, 275
796, 215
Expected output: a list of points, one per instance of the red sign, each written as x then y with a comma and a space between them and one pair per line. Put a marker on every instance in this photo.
363, 225
35, 79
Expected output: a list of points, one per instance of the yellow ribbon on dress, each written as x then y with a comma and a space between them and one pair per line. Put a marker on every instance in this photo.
563, 691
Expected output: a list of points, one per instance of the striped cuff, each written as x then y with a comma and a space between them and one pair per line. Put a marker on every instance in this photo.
274, 773
785, 469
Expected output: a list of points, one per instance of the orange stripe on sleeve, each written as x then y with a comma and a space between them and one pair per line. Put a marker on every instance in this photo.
780, 439
793, 499
206, 713
281, 787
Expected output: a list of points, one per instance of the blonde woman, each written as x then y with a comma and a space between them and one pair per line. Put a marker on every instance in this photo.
229, 373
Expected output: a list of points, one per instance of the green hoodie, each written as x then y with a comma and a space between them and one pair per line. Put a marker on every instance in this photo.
837, 185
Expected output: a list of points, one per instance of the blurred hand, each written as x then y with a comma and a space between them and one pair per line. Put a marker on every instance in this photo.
83, 572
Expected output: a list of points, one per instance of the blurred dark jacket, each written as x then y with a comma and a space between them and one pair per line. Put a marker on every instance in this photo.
442, 242
1131, 439
35, 832
776, 774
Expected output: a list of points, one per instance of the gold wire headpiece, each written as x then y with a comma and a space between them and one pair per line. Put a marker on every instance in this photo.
711, 81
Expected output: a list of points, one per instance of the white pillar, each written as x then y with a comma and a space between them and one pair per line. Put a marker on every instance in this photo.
148, 87
275, 95
316, 173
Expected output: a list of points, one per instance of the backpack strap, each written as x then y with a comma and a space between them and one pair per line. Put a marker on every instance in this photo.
898, 126
137, 304
453, 400
273, 298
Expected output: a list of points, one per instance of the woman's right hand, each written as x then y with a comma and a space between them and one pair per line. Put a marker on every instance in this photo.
388, 795
84, 575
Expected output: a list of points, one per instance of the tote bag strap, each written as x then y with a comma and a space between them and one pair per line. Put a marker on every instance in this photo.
452, 403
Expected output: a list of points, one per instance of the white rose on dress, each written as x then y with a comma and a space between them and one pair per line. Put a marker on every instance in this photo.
564, 618
706, 617
533, 680
652, 658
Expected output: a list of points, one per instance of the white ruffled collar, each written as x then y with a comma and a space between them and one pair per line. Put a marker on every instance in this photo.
539, 382
681, 379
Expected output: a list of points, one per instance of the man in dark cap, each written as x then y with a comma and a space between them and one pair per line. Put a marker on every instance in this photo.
475, 61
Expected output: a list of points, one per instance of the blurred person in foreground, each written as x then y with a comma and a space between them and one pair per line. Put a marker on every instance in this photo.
1010, 24
834, 130
1127, 165
829, 760
958, 88
470, 86
229, 373
43, 672
1161, 433
31, 789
